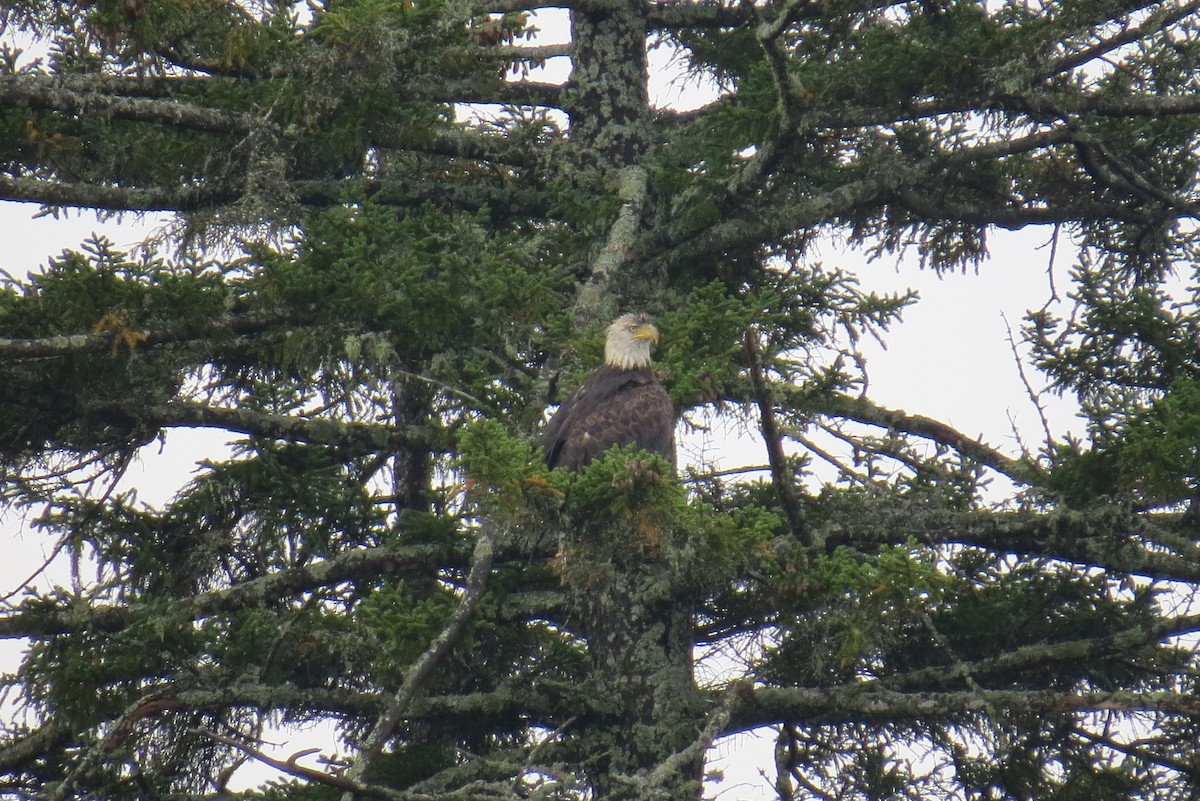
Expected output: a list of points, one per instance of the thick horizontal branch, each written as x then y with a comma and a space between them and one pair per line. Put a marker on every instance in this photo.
1015, 217
18, 350
147, 86
522, 700
526, 698
44, 92
841, 118
520, 93
1080, 103
366, 437
458, 143
1153, 25
1018, 106
154, 99
826, 705
115, 198
29, 748
1000, 148
531, 53
768, 218
676, 15
518, 701
1112, 538
509, 6
363, 564
904, 184
516, 201
356, 565
861, 410
504, 201
1040, 655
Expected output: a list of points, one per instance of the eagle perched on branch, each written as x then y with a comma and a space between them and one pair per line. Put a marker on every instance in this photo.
620, 403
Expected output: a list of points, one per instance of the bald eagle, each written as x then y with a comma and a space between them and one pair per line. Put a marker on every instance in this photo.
620, 403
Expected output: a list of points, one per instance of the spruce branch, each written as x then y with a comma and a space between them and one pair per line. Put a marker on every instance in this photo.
316, 192
415, 675
1111, 170
147, 705
675, 765
862, 410
1113, 538
21, 350
292, 767
33, 746
1187, 768
1039, 655
708, 14
787, 755
767, 706
865, 411
351, 435
359, 564
45, 92
1153, 24
783, 477
1101, 105
788, 106
110, 197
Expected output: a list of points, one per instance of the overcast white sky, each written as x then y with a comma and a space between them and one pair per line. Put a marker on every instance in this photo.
949, 359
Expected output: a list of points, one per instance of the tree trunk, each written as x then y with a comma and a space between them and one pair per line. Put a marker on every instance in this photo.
609, 100
639, 632
640, 638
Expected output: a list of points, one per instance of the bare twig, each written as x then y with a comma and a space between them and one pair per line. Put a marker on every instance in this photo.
1029, 390
1050, 266
58, 549
845, 472
118, 471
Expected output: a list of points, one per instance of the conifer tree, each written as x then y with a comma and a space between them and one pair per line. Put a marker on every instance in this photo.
394, 247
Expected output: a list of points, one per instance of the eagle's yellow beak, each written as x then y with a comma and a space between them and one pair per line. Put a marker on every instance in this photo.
646, 331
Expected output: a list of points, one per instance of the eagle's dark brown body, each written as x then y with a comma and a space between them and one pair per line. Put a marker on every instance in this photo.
613, 407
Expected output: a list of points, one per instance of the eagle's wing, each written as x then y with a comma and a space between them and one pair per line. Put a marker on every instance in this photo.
552, 438
613, 407
651, 420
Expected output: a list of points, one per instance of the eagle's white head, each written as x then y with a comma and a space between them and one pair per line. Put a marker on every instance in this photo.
629, 339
